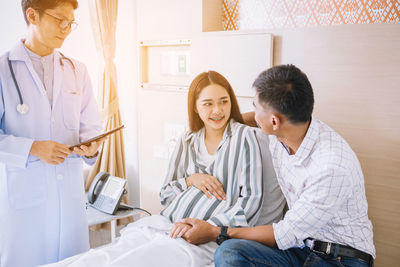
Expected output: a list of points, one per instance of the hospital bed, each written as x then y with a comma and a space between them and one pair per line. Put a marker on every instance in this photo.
141, 239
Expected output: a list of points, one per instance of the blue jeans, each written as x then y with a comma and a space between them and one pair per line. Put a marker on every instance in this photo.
240, 252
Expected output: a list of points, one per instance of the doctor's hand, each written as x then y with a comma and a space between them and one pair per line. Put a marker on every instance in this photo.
91, 150
208, 184
50, 152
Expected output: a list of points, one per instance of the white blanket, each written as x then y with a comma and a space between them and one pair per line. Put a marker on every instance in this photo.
145, 243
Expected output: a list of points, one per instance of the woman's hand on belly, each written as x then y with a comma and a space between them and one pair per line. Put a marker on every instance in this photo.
208, 184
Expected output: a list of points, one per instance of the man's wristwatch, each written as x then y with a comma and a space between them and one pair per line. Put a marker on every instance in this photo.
223, 236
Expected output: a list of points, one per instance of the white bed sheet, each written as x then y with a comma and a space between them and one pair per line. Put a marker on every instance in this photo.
145, 243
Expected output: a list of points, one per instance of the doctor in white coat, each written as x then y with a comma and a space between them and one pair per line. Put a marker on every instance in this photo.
46, 105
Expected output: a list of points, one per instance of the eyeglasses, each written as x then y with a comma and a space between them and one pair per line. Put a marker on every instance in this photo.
64, 24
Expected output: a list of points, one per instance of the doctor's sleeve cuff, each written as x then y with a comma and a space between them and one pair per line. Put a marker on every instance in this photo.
90, 161
15, 151
94, 156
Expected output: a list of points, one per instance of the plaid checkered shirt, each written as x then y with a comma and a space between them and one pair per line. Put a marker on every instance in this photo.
324, 188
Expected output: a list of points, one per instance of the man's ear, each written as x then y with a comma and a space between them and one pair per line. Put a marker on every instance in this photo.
275, 121
32, 16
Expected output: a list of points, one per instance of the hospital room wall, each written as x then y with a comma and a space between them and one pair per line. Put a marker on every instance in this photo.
10, 14
80, 45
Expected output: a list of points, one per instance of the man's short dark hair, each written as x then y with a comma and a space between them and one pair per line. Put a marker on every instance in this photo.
288, 91
42, 5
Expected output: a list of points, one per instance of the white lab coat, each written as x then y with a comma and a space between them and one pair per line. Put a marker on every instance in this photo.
42, 206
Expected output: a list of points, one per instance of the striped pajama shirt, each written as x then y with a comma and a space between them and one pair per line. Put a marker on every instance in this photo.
237, 165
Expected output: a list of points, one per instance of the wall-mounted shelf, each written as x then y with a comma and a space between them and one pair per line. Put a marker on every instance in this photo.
163, 87
165, 64
177, 42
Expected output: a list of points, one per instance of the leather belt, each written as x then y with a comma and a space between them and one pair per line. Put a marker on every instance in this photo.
338, 250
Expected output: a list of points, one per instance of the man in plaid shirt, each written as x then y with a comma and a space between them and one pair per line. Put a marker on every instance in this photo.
320, 176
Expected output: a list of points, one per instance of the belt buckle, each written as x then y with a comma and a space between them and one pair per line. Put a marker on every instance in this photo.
310, 244
328, 248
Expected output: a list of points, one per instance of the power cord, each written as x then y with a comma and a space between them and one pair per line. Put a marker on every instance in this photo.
142, 210
123, 206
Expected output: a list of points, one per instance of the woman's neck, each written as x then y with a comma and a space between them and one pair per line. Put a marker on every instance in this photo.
212, 138
36, 46
214, 134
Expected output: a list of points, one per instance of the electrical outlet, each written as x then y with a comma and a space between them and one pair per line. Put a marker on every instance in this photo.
172, 132
160, 151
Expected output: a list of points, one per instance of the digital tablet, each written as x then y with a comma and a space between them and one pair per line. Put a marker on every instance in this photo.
87, 142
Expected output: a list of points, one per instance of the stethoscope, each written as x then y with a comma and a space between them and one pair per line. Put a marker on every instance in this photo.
23, 108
